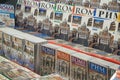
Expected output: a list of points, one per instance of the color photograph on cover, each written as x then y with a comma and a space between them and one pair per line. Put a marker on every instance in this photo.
76, 19
78, 69
35, 12
99, 73
42, 12
90, 21
112, 26
47, 61
98, 23
27, 9
63, 64
18, 7
58, 16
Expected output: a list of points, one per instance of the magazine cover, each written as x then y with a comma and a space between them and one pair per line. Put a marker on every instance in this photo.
7, 18
17, 50
78, 69
39, 10
7, 46
63, 64
63, 12
47, 60
25, 14
97, 71
46, 9
29, 55
79, 13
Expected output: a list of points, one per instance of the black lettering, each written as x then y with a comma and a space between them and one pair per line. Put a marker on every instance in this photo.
70, 9
108, 15
84, 11
77, 10
90, 12
52, 6
42, 5
115, 15
65, 8
59, 7
101, 13
48, 6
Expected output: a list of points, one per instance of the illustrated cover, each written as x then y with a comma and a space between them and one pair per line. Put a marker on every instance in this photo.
78, 69
47, 60
63, 64
97, 71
